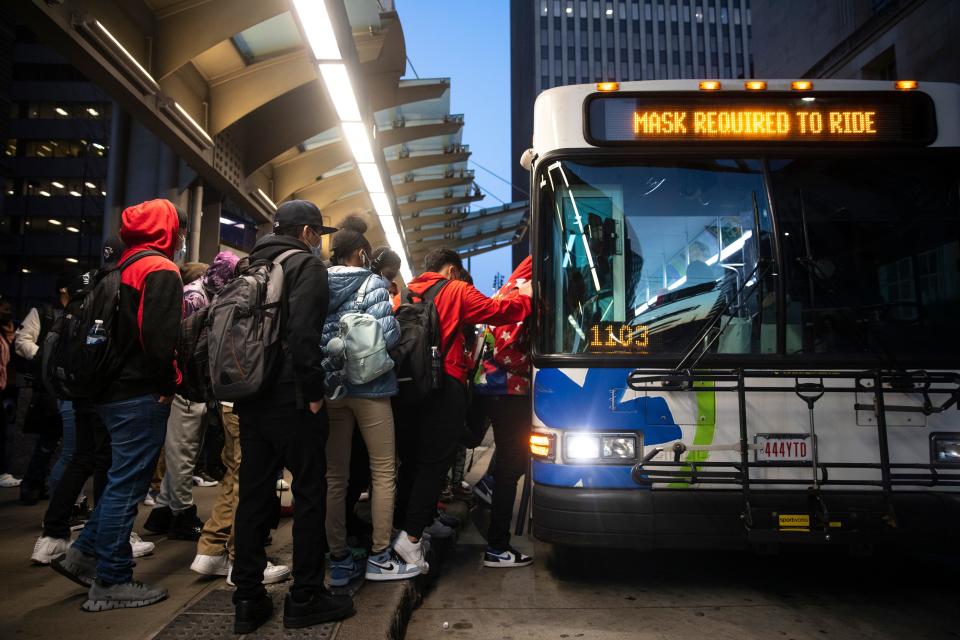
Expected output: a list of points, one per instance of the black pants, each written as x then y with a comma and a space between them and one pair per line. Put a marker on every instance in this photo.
510, 416
427, 438
35, 477
92, 457
272, 438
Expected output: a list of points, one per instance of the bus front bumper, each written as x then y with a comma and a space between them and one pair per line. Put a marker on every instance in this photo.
697, 519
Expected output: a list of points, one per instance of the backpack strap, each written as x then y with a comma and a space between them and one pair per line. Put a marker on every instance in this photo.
362, 292
137, 256
280, 259
429, 296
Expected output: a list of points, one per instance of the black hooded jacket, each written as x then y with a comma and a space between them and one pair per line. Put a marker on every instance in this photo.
305, 300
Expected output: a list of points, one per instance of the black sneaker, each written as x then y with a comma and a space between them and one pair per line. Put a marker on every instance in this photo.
508, 559
186, 525
321, 607
250, 614
159, 520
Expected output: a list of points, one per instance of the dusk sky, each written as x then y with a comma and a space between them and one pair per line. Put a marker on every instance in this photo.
469, 42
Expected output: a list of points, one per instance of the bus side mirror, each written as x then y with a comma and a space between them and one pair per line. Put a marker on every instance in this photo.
526, 159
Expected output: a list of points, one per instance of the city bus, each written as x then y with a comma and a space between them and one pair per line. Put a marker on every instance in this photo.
747, 298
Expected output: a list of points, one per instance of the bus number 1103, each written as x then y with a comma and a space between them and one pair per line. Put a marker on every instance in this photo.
619, 337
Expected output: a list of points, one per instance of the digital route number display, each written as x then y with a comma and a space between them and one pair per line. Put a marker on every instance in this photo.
616, 337
809, 117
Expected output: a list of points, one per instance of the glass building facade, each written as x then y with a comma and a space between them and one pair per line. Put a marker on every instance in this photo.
582, 41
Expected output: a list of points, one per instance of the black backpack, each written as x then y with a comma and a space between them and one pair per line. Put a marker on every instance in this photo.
72, 366
193, 357
420, 332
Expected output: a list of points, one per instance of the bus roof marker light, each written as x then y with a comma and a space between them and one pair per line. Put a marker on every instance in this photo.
608, 86
801, 85
906, 85
709, 85
755, 85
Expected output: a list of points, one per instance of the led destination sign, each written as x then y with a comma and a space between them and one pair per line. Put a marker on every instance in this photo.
884, 118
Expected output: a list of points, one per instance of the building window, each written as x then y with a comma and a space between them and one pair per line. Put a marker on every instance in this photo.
637, 71
544, 82
635, 11
660, 14
583, 8
686, 13
723, 15
543, 7
736, 15
713, 14
10, 150
699, 14
673, 12
648, 11
544, 51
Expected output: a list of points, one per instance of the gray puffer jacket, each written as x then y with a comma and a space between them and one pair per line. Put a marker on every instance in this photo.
345, 283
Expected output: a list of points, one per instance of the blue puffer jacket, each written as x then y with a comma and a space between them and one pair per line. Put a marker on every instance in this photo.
345, 283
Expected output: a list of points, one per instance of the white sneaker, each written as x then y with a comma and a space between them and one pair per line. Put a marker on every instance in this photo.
7, 481
139, 546
47, 548
283, 485
150, 499
204, 481
271, 575
411, 552
211, 565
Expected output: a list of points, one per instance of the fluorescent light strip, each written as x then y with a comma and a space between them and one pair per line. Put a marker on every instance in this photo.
381, 203
126, 53
370, 173
266, 199
319, 30
340, 90
355, 134
193, 122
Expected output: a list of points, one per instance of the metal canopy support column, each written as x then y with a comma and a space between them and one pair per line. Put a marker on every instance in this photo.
196, 218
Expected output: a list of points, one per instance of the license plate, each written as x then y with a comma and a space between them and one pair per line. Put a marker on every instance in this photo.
783, 447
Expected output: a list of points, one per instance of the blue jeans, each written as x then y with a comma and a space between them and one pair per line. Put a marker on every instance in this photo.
68, 445
137, 427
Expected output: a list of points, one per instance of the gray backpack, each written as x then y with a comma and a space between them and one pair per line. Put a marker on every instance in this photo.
244, 329
365, 350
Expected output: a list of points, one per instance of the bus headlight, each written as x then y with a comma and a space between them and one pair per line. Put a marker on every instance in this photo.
945, 448
600, 447
620, 447
582, 447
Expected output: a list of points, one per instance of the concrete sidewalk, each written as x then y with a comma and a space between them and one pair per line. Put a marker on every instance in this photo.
39, 603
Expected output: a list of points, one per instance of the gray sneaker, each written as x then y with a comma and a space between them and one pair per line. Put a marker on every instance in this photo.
76, 566
121, 596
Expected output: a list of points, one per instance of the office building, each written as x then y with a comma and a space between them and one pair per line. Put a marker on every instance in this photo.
561, 42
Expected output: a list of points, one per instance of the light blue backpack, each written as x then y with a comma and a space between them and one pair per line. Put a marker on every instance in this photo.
365, 349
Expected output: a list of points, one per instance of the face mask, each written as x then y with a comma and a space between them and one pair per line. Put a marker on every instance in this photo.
315, 250
180, 254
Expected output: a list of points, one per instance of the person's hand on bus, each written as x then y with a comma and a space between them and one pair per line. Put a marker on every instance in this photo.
526, 289
316, 406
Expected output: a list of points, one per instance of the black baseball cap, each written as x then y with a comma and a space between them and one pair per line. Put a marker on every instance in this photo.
296, 213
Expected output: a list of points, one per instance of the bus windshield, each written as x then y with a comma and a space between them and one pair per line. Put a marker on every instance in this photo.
676, 259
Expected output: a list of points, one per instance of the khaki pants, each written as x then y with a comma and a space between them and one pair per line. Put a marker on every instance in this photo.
217, 536
374, 417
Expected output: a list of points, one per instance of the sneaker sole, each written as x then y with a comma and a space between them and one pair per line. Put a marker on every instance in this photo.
389, 577
317, 618
143, 554
275, 579
506, 565
92, 606
83, 581
203, 572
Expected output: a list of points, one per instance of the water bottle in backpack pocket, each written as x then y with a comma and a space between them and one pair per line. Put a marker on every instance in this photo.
80, 357
419, 353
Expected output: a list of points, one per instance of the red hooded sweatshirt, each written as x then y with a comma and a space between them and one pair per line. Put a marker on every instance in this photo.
151, 304
460, 304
